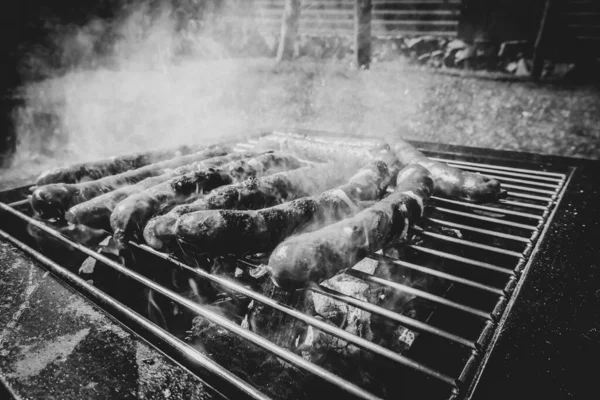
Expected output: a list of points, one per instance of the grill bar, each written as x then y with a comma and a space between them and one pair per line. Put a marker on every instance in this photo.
528, 189
472, 244
526, 182
521, 204
374, 309
165, 337
211, 315
530, 197
409, 322
500, 167
465, 260
417, 292
440, 274
489, 219
487, 208
18, 203
507, 174
334, 331
479, 230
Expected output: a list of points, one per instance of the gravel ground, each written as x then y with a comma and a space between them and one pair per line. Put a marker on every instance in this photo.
106, 112
433, 107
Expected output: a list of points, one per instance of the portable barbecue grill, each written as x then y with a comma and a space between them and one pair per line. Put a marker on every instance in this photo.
489, 282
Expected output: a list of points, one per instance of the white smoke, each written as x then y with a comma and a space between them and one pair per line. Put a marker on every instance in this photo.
159, 85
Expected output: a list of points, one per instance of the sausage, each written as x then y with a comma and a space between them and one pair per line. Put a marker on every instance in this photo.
319, 255
110, 166
96, 212
244, 232
450, 181
324, 149
347, 140
53, 200
251, 194
130, 215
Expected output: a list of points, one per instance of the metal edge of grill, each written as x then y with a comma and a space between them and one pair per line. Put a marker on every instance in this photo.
517, 288
525, 216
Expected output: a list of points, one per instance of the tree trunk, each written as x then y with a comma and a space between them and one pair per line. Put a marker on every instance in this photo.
362, 33
289, 30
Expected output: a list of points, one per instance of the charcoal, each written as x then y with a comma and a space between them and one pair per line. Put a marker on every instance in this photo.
278, 378
249, 362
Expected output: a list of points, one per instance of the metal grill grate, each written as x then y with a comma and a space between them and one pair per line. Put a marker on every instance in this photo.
475, 255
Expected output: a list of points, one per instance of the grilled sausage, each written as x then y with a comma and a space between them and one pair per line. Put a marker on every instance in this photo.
131, 215
251, 194
327, 138
243, 232
324, 149
450, 181
91, 171
319, 255
96, 212
53, 200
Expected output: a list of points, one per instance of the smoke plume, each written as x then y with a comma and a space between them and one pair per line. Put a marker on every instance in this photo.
145, 79
137, 82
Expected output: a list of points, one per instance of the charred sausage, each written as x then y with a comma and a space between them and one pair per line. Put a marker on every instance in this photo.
244, 232
91, 171
319, 255
450, 181
130, 215
53, 200
251, 194
96, 212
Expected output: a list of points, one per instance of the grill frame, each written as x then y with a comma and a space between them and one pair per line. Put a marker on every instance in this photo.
501, 309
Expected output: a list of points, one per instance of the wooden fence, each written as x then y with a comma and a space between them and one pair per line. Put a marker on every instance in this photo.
582, 19
391, 18
575, 25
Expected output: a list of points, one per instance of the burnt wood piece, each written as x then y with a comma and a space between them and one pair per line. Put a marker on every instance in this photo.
51, 201
332, 353
254, 231
317, 256
91, 171
450, 181
253, 364
251, 194
130, 216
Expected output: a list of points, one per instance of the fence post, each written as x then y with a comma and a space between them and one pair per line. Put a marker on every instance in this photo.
289, 30
539, 47
362, 33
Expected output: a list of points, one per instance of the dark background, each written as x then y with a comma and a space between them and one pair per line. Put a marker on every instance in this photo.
27, 27
31, 28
